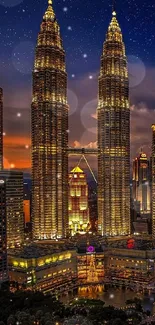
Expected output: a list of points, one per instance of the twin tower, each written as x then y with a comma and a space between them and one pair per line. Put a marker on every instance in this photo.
50, 135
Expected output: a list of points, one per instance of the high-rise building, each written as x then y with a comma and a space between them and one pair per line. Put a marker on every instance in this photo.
153, 181
141, 183
49, 133
3, 235
27, 201
13, 202
1, 128
113, 136
78, 201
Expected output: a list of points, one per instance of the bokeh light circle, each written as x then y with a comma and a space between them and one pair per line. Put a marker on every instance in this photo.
72, 101
137, 71
10, 3
23, 57
89, 138
88, 115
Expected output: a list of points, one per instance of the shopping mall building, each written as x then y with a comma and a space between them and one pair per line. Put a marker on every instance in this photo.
62, 267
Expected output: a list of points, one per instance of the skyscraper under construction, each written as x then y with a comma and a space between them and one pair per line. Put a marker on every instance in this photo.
113, 136
49, 133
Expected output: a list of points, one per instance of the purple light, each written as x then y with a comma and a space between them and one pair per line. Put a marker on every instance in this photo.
90, 249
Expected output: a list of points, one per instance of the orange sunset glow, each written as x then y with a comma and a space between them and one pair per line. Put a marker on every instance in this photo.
17, 152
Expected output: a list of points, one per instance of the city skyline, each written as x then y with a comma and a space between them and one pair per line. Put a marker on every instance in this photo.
17, 120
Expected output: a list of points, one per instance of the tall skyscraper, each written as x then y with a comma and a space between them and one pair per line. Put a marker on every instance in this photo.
1, 128
3, 235
49, 133
153, 181
141, 183
13, 205
113, 136
78, 201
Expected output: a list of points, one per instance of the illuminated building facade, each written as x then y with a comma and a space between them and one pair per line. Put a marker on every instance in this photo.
40, 268
59, 268
27, 202
113, 136
153, 181
1, 128
3, 237
90, 268
130, 267
14, 207
141, 184
78, 201
49, 133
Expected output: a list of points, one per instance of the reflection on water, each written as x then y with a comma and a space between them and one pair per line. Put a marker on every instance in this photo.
113, 296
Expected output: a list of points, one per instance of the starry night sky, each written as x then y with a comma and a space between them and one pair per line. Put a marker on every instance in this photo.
83, 26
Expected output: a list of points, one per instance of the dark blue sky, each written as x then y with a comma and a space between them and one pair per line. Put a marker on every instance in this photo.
83, 27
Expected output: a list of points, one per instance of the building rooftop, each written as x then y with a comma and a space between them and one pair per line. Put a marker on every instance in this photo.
81, 244
36, 250
77, 170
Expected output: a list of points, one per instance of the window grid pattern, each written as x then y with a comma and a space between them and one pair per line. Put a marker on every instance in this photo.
113, 137
49, 133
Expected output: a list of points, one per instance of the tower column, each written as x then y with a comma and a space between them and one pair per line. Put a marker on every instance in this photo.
113, 136
49, 116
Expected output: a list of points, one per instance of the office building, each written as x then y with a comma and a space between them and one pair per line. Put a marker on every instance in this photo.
113, 136
3, 234
153, 181
1, 128
141, 184
49, 133
13, 199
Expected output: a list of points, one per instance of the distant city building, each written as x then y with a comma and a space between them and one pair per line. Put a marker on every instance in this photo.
26, 211
141, 184
92, 201
14, 207
113, 136
27, 202
3, 234
153, 181
49, 133
78, 201
1, 128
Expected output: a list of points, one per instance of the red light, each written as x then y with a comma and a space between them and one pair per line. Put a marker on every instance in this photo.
130, 243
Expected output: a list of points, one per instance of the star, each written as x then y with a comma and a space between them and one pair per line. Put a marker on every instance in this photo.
65, 9
19, 114
69, 28
85, 55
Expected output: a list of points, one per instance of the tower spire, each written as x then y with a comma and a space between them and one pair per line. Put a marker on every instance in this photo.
114, 7
50, 2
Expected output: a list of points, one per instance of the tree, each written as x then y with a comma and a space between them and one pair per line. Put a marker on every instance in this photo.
118, 321
11, 320
77, 320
